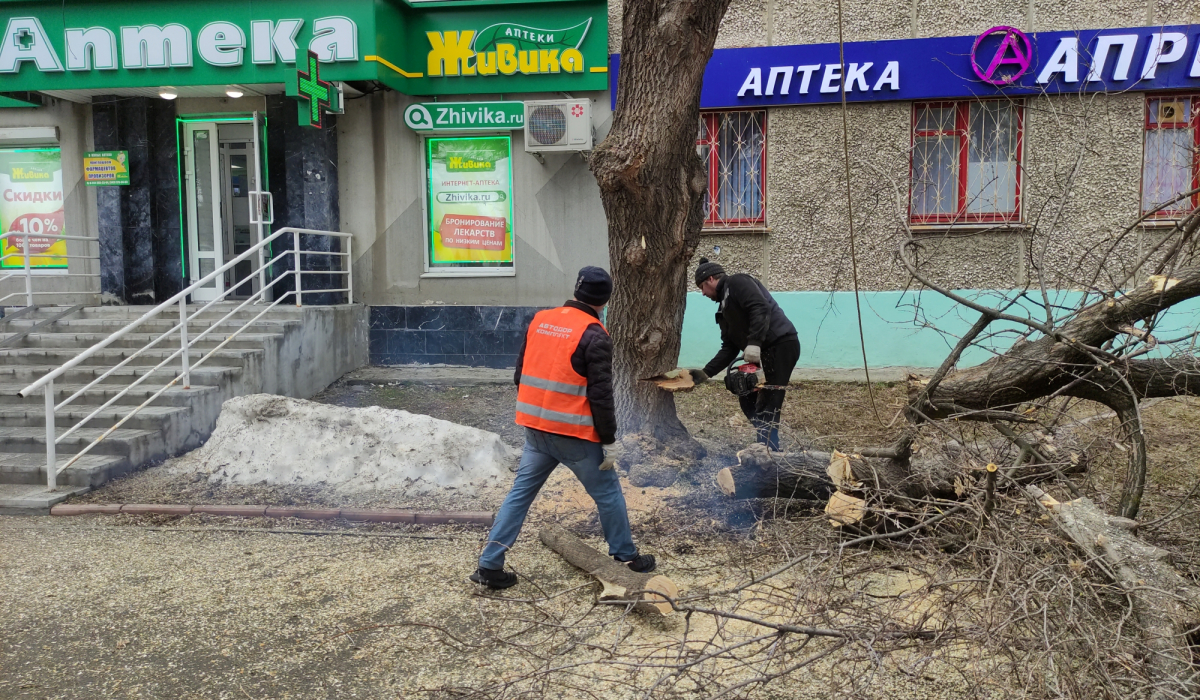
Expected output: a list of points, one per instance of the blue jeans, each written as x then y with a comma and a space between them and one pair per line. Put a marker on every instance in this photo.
543, 452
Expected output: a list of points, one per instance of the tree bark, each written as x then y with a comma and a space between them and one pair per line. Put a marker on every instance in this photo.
620, 583
761, 474
935, 471
1165, 605
652, 186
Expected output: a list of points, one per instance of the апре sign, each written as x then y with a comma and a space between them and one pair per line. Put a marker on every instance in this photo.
1000, 61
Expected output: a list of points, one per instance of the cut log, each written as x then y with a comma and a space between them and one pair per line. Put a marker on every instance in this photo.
761, 473
620, 583
937, 470
1165, 604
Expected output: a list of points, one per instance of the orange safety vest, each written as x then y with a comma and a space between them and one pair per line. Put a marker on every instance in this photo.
552, 397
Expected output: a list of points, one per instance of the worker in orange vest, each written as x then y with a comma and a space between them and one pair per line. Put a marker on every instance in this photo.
565, 402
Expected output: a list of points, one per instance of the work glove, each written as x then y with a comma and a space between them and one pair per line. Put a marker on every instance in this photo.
698, 376
611, 454
752, 354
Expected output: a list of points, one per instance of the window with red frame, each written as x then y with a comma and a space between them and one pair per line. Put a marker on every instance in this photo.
1170, 160
966, 162
733, 146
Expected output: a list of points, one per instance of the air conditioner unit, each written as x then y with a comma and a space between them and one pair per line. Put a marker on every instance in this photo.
558, 125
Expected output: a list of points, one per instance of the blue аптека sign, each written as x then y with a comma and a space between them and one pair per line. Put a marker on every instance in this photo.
1001, 61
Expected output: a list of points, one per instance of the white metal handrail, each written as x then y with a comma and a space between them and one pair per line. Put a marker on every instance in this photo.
183, 354
27, 269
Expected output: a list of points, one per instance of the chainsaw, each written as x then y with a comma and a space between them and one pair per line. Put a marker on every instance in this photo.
743, 379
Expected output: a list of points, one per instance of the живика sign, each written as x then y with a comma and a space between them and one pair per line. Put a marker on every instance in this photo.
465, 47
521, 47
1000, 61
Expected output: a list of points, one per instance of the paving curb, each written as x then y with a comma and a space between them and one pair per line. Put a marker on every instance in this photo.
381, 515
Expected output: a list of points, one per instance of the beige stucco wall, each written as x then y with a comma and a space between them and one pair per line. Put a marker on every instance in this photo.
1080, 184
559, 223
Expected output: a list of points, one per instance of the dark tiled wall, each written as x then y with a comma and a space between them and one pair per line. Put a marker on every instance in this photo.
303, 177
476, 336
139, 222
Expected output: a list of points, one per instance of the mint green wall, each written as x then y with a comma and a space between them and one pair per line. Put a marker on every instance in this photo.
902, 329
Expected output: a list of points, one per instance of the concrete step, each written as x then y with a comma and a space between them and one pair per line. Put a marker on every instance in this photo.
207, 374
139, 446
110, 357
156, 326
101, 393
30, 499
89, 470
152, 417
246, 340
126, 314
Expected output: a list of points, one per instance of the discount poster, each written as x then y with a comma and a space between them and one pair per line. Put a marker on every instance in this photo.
31, 201
470, 202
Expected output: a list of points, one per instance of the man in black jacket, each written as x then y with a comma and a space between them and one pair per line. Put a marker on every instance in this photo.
565, 402
753, 324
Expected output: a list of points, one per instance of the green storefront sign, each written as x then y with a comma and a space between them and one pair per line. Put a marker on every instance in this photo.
465, 116
419, 48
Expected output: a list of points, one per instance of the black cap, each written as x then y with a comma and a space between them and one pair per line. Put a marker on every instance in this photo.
594, 286
707, 269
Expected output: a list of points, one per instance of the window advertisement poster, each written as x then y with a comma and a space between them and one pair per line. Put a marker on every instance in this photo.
106, 168
470, 203
31, 201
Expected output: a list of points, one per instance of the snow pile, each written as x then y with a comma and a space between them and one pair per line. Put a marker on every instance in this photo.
277, 440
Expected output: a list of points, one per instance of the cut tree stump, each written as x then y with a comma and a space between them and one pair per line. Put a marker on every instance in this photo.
619, 581
1165, 605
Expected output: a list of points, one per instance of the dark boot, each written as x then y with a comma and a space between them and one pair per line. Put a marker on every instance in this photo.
642, 563
494, 578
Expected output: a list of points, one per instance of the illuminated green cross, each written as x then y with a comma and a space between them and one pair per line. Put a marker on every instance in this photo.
316, 90
24, 39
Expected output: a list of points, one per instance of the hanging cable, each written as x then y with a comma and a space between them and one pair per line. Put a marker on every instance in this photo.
862, 342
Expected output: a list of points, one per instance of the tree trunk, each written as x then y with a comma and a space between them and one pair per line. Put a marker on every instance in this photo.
619, 581
652, 186
1166, 606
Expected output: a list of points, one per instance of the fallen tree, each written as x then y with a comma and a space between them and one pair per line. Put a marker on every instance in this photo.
944, 470
1165, 604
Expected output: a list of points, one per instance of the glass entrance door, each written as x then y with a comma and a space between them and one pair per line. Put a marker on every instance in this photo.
203, 185
239, 178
